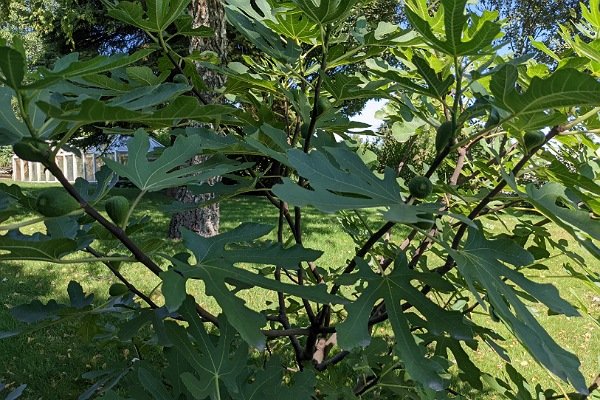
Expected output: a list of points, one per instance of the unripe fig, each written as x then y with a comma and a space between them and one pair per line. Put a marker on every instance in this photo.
322, 105
180, 78
117, 289
425, 225
533, 139
420, 187
117, 208
55, 202
444, 135
30, 149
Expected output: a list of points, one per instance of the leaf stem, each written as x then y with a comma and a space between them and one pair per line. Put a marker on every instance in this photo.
64, 140
582, 118
24, 115
315, 111
132, 208
95, 259
458, 91
124, 280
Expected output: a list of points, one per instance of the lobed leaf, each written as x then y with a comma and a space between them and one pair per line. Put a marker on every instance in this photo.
326, 11
481, 263
16, 246
169, 169
564, 88
454, 23
12, 65
346, 183
215, 260
212, 364
394, 289
248, 22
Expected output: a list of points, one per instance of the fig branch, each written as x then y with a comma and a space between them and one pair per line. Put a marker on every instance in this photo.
116, 231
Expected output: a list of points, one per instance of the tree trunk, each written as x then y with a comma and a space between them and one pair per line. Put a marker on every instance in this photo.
204, 221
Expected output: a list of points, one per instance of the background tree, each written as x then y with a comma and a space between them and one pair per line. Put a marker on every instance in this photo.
534, 19
65, 26
209, 13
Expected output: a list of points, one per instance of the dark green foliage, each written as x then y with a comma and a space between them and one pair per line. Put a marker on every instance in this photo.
271, 289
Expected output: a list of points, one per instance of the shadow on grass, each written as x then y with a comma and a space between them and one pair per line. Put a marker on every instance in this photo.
18, 286
50, 361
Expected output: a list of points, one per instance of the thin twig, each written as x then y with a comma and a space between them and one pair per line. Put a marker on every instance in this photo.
283, 318
124, 280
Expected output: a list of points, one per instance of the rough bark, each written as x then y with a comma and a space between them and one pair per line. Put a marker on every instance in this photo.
205, 220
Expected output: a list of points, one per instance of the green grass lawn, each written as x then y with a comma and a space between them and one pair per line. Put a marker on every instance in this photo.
51, 361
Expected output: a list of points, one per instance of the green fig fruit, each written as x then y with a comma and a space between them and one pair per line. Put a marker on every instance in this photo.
117, 289
30, 149
117, 208
533, 139
55, 202
444, 135
322, 105
420, 187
